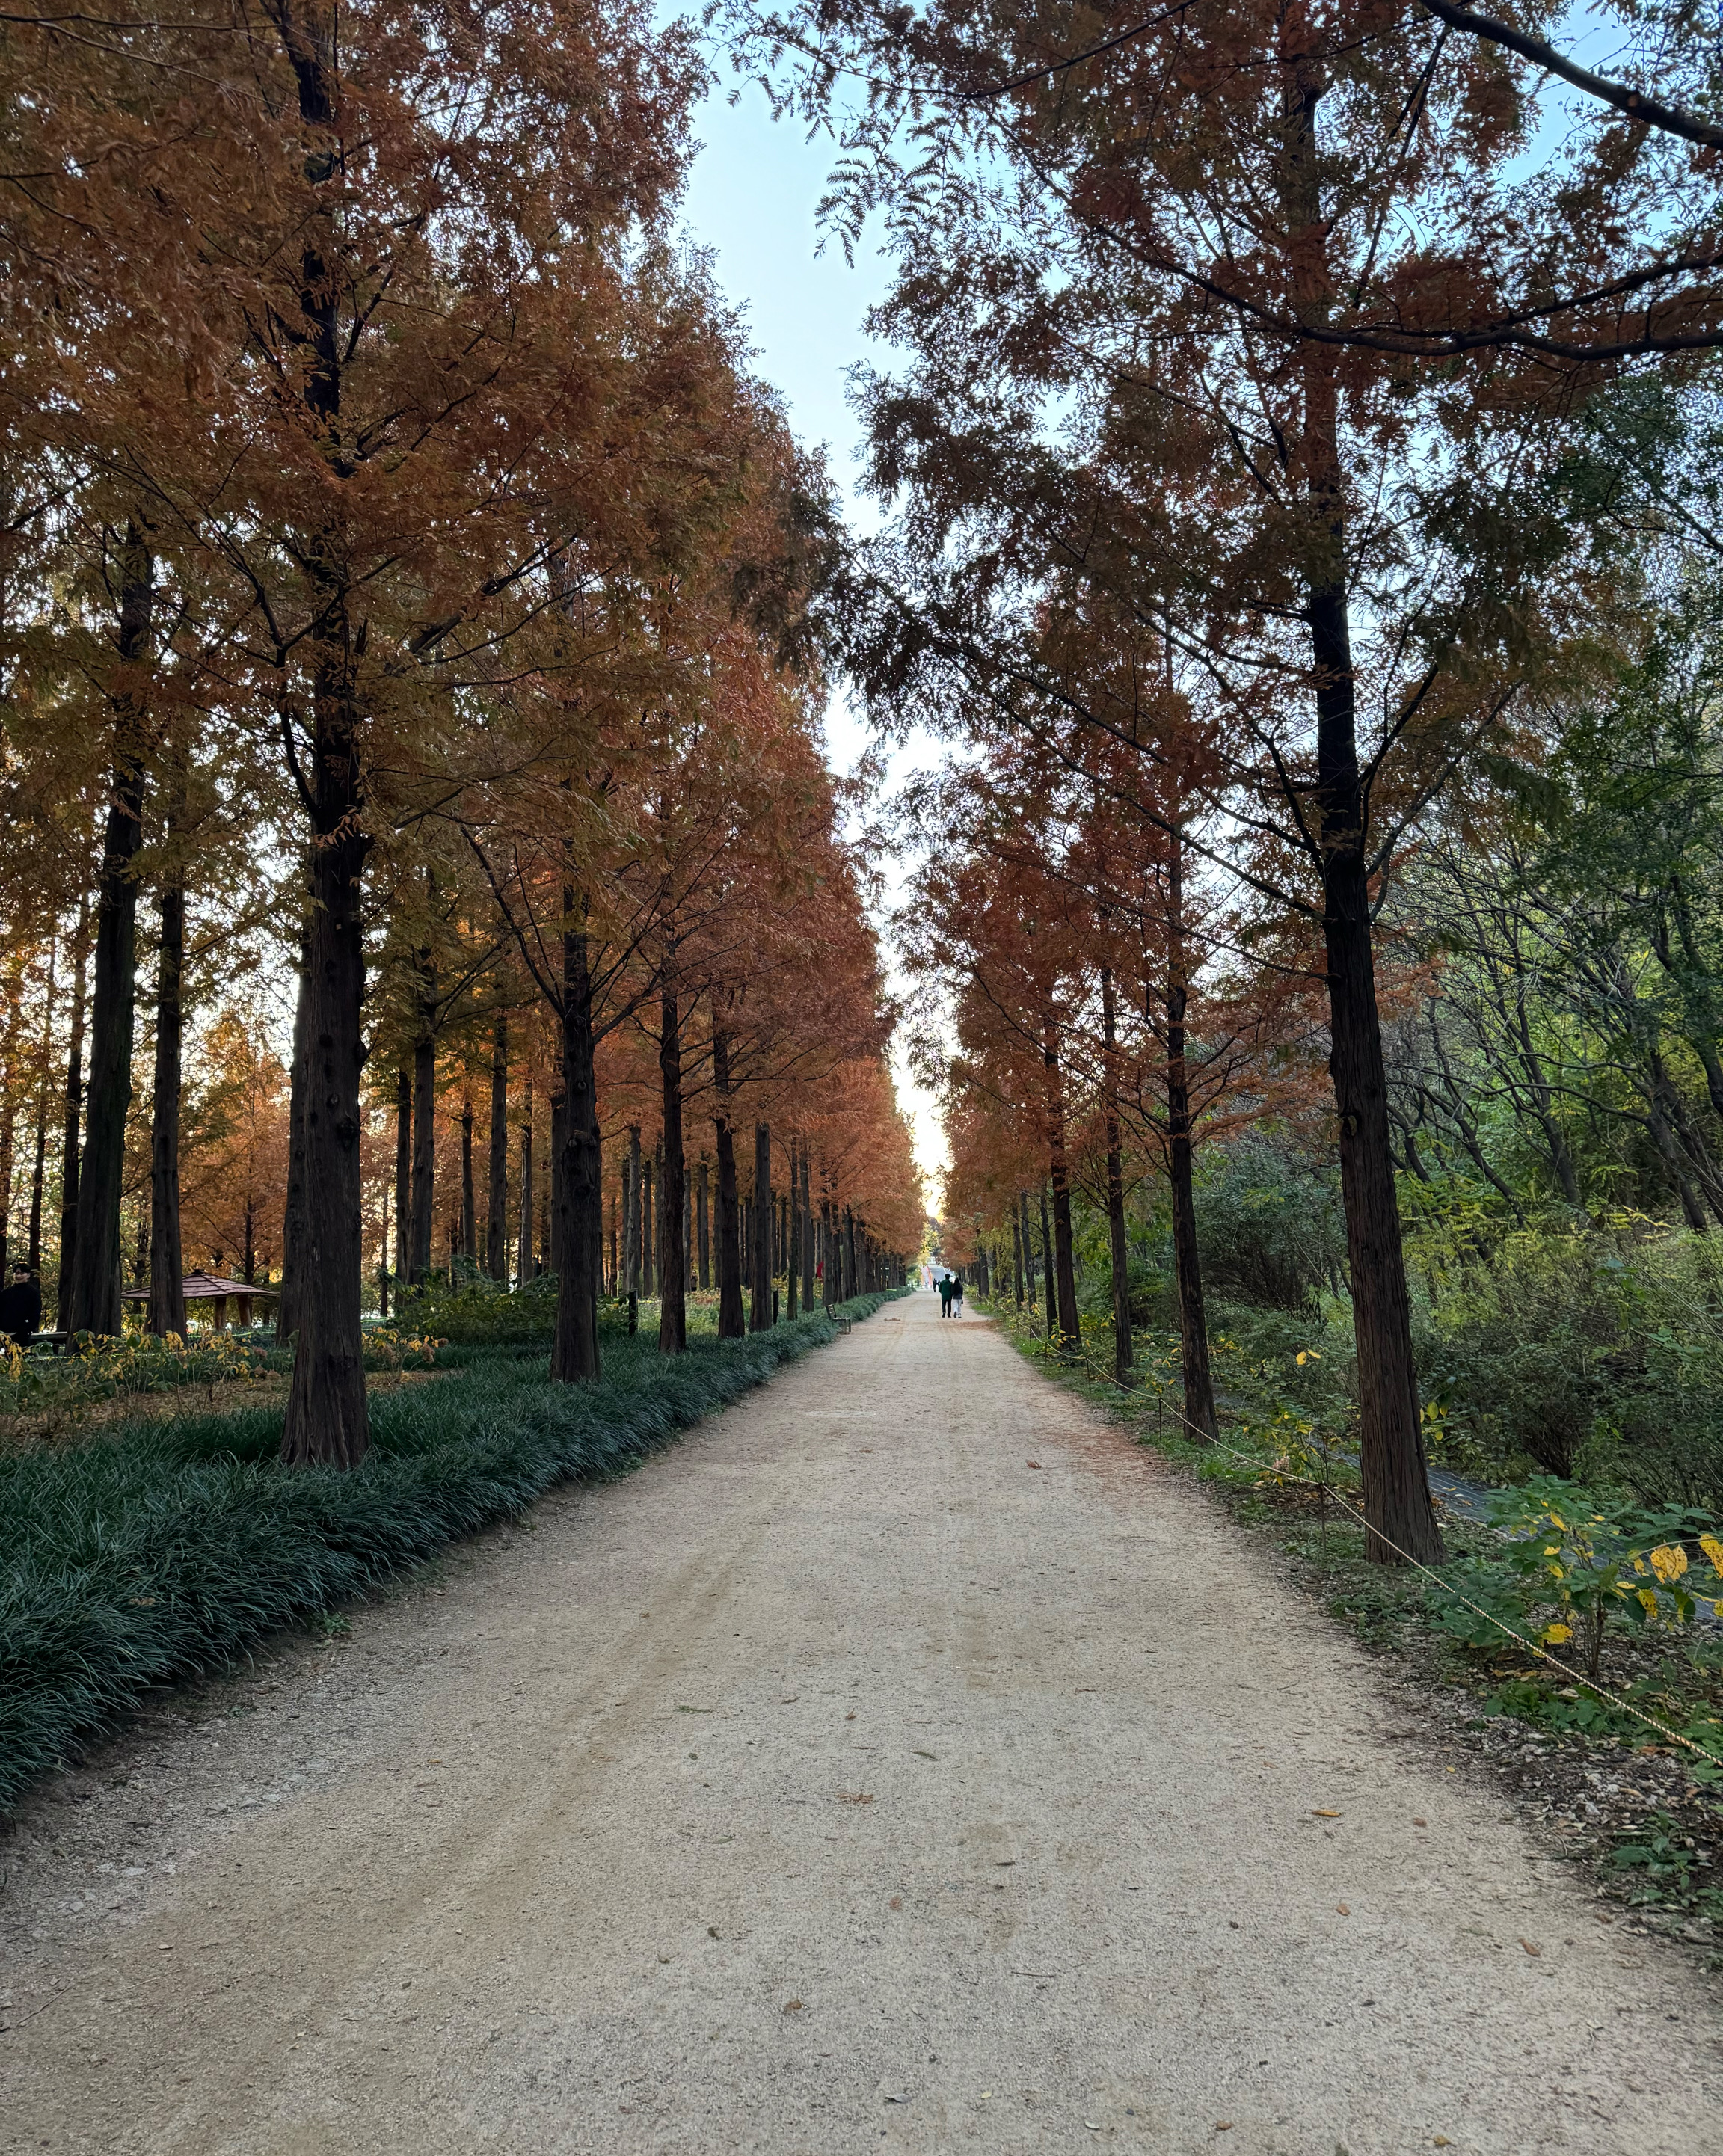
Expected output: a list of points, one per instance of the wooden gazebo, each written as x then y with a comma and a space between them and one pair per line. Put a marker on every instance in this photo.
211, 1287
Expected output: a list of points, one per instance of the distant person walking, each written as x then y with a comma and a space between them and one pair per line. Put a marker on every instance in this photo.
945, 1295
21, 1305
957, 1293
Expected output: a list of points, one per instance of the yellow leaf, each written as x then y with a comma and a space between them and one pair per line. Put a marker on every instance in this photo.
1648, 1601
1714, 1551
1668, 1561
1324, 1815
1554, 1550
1555, 1635
1558, 1519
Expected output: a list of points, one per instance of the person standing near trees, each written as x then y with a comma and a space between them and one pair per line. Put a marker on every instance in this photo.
955, 1284
21, 1305
945, 1295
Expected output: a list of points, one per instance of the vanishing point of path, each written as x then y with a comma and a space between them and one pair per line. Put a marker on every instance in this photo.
841, 1782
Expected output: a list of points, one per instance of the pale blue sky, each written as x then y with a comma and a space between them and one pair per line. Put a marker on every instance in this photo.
752, 198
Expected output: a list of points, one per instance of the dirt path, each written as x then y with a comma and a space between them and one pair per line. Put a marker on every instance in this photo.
841, 1782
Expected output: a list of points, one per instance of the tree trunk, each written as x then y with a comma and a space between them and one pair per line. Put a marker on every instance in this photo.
327, 1423
704, 1224
760, 1312
578, 1192
731, 1324
168, 1292
1401, 1518
496, 1224
631, 1213
468, 1202
1063, 1273
527, 1270
403, 1170
293, 1209
673, 1258
1200, 1419
805, 1203
73, 1112
1047, 1274
94, 1304
792, 1234
1123, 1347
648, 1225
424, 1122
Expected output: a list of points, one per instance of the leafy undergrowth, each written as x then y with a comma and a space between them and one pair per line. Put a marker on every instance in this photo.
1601, 1779
167, 1548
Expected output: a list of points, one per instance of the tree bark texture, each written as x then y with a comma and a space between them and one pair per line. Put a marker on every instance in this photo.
806, 1205
673, 1305
73, 1112
527, 1269
704, 1223
469, 1203
496, 1220
1119, 1246
759, 1312
293, 1208
94, 1304
424, 1123
167, 1285
731, 1324
328, 1422
1059, 1172
404, 1169
579, 1195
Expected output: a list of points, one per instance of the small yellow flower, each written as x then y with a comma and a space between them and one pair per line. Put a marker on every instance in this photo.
1668, 1561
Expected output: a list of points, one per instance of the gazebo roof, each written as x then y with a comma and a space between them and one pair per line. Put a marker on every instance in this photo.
207, 1285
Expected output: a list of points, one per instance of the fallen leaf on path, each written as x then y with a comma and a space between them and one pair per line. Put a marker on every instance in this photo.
1442, 2141
1223, 2126
1324, 1815
916, 1755
712, 1931
1343, 1908
1032, 1463
850, 1717
792, 2006
856, 1796
1420, 1822
897, 2099
1530, 1948
896, 1901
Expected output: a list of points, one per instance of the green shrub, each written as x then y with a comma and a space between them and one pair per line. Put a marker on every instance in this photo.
167, 1547
1269, 1227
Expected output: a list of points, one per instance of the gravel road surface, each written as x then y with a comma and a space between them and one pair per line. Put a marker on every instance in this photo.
905, 1762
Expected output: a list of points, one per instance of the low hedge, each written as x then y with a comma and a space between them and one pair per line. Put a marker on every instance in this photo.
164, 1549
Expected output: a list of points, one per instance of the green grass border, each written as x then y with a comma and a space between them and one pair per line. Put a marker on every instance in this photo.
162, 1551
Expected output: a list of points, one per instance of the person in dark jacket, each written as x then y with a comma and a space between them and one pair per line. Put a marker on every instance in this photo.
21, 1304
